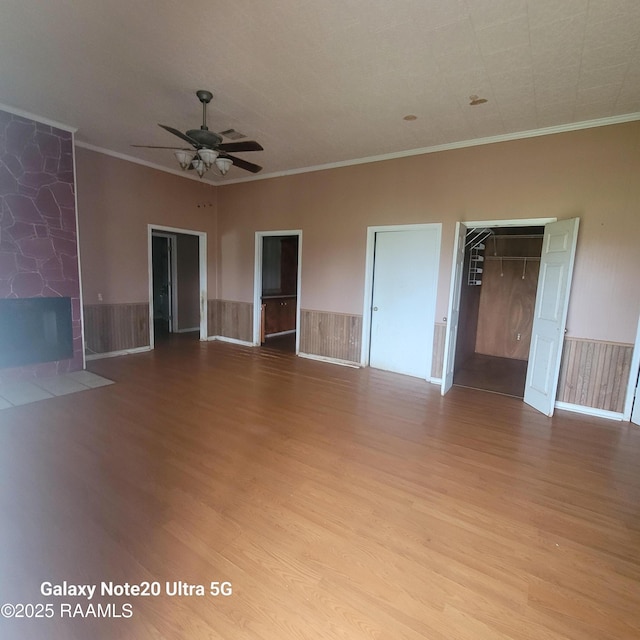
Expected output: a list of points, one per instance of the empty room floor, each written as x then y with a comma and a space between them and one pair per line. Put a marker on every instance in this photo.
317, 501
491, 373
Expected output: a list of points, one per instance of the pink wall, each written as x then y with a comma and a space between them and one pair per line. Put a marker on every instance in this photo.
591, 173
116, 201
38, 235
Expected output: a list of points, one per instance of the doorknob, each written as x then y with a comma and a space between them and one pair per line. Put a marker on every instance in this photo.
375, 308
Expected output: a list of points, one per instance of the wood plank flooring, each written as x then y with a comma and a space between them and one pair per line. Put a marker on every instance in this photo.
339, 503
491, 373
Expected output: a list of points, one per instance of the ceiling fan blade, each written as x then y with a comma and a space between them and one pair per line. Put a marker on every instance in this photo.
245, 145
243, 164
151, 146
175, 132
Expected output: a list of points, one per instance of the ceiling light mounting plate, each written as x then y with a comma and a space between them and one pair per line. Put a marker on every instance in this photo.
204, 96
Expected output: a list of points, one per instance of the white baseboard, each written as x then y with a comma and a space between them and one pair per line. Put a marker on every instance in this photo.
187, 330
589, 411
114, 354
279, 333
342, 363
244, 343
437, 381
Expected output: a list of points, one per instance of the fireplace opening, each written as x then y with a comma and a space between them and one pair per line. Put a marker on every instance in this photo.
34, 330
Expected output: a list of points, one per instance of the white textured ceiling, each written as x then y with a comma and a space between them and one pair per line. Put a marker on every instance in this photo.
322, 81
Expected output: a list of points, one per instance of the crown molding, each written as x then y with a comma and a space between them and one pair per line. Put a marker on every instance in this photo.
506, 137
32, 116
144, 163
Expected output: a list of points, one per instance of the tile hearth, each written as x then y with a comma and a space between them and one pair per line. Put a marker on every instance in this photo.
13, 394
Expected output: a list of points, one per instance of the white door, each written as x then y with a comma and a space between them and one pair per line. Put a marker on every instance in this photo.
405, 277
632, 401
550, 315
635, 412
453, 314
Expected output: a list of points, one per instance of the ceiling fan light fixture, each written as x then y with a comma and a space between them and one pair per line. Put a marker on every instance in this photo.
207, 146
223, 164
208, 156
184, 158
199, 166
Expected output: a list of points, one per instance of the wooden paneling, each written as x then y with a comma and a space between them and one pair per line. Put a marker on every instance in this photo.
468, 320
507, 302
116, 327
594, 374
507, 296
279, 314
230, 319
438, 349
331, 335
289, 265
213, 318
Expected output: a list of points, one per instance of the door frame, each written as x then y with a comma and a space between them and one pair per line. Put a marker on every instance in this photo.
369, 265
257, 282
633, 378
157, 229
453, 290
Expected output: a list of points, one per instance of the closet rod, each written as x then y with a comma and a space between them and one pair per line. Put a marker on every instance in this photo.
512, 257
515, 236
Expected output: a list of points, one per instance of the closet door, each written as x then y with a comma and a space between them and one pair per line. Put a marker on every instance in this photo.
550, 315
635, 413
405, 280
454, 309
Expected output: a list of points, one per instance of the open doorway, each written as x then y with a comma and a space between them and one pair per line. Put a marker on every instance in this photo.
497, 299
177, 284
277, 288
163, 251
549, 311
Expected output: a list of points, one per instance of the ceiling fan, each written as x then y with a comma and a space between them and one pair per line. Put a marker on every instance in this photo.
208, 149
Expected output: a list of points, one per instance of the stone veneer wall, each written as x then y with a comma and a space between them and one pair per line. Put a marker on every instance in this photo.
38, 231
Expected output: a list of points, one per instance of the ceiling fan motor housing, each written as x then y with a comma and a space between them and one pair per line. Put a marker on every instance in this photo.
204, 137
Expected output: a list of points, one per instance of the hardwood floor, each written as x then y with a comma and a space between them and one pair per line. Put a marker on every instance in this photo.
490, 373
286, 342
339, 503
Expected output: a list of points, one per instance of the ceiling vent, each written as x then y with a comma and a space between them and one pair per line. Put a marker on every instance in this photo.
232, 134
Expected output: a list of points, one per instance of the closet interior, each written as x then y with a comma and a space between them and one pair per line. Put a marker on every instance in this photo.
497, 301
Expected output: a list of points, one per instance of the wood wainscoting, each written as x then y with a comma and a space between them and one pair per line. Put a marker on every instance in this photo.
439, 334
595, 374
116, 327
230, 319
331, 335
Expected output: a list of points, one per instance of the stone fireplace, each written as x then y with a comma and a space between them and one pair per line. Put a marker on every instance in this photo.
38, 250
